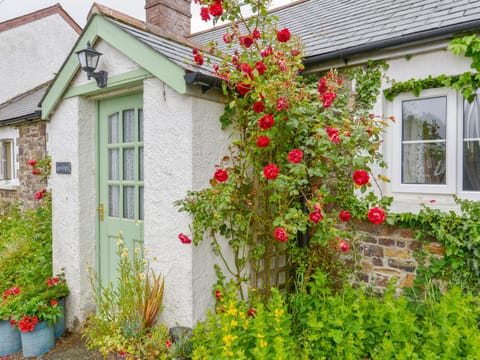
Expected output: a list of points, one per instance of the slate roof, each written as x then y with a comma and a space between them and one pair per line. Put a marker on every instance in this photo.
23, 107
334, 29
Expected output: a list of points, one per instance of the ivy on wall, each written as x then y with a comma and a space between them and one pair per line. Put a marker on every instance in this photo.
467, 83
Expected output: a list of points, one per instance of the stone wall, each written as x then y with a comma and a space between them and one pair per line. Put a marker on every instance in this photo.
31, 144
387, 251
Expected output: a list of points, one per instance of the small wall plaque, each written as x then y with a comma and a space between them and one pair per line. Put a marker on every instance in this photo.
63, 167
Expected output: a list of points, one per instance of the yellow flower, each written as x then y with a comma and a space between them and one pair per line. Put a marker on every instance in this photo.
147, 251
124, 254
142, 275
227, 339
137, 250
233, 323
231, 309
125, 250
263, 343
119, 241
144, 261
245, 325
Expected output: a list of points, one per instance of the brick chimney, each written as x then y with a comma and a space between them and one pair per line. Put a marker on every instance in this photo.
172, 16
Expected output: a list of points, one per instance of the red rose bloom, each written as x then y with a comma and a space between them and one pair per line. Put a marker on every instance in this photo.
266, 52
32, 162
333, 134
198, 58
216, 9
36, 171
263, 141
53, 302
283, 35
39, 195
221, 175
322, 85
260, 66
376, 215
316, 216
344, 215
218, 295
295, 52
243, 88
246, 68
251, 312
227, 38
280, 234
344, 246
246, 41
328, 98
258, 107
282, 103
271, 171
360, 177
266, 122
295, 156
184, 239
256, 34
168, 344
204, 14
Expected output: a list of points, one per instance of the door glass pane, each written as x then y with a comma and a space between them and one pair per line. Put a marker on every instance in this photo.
471, 145
113, 164
424, 140
140, 164
129, 164
114, 200
140, 202
129, 125
129, 202
113, 129
140, 125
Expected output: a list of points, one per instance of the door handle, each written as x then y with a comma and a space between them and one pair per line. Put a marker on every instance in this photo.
101, 212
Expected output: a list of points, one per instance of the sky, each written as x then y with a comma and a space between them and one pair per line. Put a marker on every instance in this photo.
78, 9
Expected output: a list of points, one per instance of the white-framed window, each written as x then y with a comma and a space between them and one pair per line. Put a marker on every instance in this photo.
7, 168
436, 144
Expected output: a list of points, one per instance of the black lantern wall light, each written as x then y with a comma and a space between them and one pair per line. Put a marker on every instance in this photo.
88, 59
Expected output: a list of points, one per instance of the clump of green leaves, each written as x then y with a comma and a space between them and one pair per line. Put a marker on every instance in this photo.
127, 310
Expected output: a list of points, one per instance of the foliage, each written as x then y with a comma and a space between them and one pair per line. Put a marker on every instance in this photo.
294, 150
368, 81
127, 310
459, 234
242, 330
352, 323
467, 83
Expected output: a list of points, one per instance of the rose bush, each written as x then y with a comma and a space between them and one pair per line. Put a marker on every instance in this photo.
300, 154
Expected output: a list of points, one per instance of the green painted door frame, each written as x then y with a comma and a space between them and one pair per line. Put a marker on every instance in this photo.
120, 180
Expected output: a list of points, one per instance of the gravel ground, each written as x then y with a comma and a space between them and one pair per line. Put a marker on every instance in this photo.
68, 347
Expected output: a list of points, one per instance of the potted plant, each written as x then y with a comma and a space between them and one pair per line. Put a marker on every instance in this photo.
9, 335
57, 290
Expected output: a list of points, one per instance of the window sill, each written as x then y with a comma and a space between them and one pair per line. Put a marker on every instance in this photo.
8, 185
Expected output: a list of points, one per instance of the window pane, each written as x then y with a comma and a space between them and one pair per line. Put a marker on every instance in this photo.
129, 126
140, 125
129, 164
423, 141
471, 145
140, 202
114, 200
113, 129
424, 119
423, 163
113, 164
129, 202
6, 160
140, 164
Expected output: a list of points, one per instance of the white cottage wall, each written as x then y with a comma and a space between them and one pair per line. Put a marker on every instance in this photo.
72, 139
210, 145
168, 130
35, 50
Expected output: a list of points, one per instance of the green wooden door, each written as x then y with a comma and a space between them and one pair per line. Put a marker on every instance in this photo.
120, 186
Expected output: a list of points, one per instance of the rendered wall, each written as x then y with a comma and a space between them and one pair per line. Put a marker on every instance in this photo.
35, 51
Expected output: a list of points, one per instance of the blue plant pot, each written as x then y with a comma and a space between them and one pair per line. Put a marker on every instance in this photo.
10, 341
59, 327
38, 341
